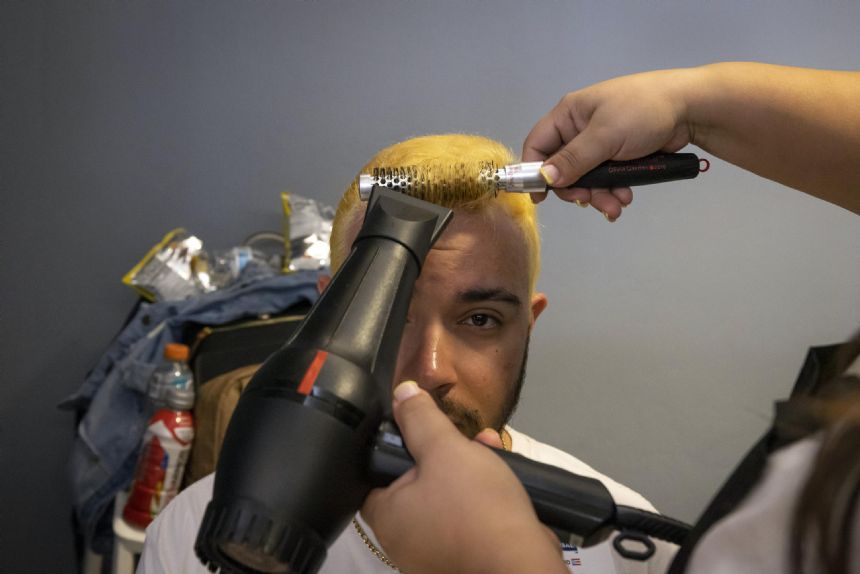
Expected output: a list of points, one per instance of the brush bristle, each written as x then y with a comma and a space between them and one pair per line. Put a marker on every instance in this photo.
446, 184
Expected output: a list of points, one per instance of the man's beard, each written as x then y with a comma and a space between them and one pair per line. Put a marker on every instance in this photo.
469, 420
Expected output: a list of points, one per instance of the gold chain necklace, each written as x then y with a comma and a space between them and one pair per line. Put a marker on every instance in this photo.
507, 440
507, 444
372, 547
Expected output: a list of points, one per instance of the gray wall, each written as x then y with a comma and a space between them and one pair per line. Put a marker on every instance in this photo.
669, 333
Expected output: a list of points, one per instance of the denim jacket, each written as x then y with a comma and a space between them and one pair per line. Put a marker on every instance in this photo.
105, 450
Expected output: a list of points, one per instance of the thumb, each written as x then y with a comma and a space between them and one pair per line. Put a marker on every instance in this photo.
490, 437
421, 422
579, 156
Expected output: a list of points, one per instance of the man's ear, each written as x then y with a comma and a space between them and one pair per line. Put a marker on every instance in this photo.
322, 282
538, 304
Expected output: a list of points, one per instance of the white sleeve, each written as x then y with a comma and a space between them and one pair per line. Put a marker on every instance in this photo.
602, 557
754, 536
169, 545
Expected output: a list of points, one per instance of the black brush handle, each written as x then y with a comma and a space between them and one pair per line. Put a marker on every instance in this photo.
655, 168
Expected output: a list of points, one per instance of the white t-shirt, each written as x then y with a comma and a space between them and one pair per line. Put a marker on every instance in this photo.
169, 547
754, 538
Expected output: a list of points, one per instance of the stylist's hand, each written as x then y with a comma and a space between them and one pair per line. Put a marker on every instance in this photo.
620, 119
460, 509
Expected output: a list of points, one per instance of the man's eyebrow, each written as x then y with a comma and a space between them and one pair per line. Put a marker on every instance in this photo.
489, 294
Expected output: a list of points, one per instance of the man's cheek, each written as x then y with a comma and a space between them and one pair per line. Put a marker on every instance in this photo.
503, 364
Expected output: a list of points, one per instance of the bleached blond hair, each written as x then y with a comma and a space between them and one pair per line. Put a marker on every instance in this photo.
427, 153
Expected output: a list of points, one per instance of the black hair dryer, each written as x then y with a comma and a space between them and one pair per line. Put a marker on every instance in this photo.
294, 466
311, 434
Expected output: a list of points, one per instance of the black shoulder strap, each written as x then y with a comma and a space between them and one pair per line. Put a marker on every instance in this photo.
791, 422
745, 475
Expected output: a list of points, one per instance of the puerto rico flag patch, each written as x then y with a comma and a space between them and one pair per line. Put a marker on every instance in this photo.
598, 559
572, 558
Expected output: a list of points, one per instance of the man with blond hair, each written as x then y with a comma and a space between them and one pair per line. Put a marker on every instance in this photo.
465, 341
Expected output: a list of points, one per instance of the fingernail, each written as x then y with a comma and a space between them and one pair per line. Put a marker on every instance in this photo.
580, 203
406, 390
606, 215
549, 173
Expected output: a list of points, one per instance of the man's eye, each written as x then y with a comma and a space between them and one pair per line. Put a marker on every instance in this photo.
482, 320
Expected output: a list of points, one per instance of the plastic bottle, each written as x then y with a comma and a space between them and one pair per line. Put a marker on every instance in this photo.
173, 372
167, 441
219, 269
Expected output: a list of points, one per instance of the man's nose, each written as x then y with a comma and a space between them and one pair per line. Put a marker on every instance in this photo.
425, 357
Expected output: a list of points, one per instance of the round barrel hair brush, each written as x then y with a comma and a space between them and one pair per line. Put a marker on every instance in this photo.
461, 182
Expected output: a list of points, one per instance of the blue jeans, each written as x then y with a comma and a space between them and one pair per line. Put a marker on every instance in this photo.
113, 396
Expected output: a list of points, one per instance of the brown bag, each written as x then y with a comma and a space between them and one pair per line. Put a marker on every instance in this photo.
224, 359
215, 403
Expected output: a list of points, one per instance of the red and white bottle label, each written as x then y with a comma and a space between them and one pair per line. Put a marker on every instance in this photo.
166, 446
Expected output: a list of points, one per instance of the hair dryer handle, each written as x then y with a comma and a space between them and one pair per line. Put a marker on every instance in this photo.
578, 508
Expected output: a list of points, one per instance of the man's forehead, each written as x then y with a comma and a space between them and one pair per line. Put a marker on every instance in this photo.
480, 251
491, 225
484, 248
